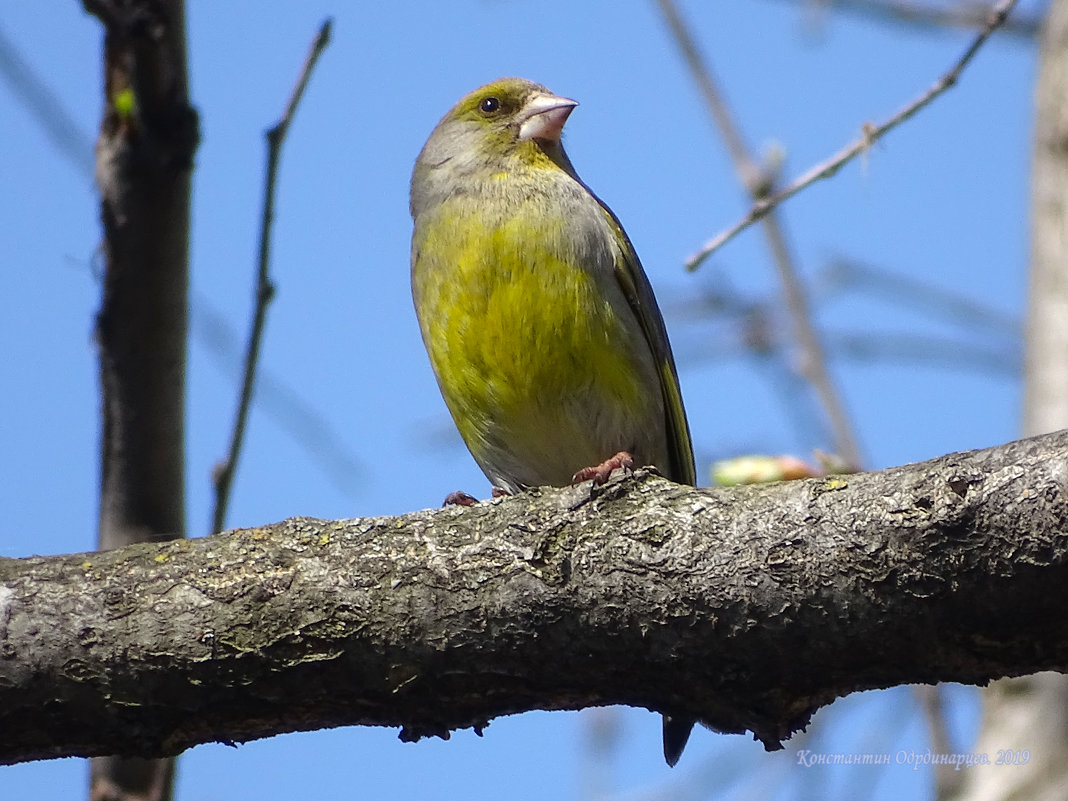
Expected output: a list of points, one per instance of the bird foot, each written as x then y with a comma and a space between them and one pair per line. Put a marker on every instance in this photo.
459, 498
599, 473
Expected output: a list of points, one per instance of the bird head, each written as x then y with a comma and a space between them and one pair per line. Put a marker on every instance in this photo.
508, 123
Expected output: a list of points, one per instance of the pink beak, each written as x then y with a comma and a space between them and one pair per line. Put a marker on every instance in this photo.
544, 116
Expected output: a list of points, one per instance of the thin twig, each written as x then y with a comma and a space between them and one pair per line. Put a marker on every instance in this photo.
871, 134
224, 472
760, 182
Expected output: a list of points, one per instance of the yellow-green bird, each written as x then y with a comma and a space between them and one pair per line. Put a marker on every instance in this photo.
540, 323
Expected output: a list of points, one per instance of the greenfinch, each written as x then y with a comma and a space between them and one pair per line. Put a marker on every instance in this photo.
540, 323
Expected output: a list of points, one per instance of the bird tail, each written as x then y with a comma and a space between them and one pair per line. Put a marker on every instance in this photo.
676, 733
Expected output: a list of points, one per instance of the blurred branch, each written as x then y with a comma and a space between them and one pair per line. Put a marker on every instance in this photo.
223, 475
968, 15
916, 349
723, 324
278, 399
759, 182
1032, 713
1045, 405
763, 206
66, 134
871, 347
917, 295
774, 601
947, 778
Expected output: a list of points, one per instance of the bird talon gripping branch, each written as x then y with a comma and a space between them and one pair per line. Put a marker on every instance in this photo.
600, 473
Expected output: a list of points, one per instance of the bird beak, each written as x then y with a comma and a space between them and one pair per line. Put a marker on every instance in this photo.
543, 117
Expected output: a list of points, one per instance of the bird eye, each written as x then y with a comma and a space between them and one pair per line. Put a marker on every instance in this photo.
488, 105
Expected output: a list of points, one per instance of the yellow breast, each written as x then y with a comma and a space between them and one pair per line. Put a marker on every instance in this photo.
533, 348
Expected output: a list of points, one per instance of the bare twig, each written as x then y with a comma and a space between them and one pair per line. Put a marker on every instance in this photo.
224, 472
871, 134
760, 182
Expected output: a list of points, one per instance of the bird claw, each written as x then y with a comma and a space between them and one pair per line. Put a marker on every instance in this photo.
599, 473
459, 498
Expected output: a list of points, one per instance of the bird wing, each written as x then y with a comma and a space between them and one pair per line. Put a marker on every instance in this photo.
636, 288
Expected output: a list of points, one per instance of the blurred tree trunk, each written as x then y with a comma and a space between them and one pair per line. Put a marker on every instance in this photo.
1031, 713
144, 159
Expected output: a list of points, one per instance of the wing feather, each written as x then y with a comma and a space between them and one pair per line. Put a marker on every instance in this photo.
639, 293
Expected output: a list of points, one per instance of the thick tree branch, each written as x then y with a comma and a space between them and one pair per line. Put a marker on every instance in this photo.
749, 607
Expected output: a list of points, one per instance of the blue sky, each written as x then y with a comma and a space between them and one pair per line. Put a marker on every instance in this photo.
349, 421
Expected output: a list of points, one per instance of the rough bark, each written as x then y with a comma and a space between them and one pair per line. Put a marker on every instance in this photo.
748, 607
148, 135
1031, 714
